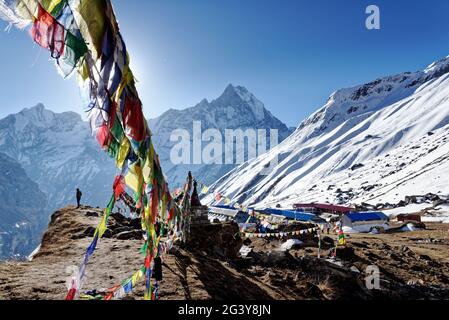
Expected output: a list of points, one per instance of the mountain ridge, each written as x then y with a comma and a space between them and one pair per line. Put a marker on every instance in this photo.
355, 125
58, 152
235, 108
22, 210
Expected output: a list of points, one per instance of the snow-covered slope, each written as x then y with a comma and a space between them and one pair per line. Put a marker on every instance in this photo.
376, 142
236, 108
58, 152
22, 210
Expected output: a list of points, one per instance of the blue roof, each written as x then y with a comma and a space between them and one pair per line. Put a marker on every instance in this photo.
366, 216
292, 214
222, 206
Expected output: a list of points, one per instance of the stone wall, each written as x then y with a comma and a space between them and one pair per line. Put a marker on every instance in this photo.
217, 239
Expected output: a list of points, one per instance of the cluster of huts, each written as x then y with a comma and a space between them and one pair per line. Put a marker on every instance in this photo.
348, 218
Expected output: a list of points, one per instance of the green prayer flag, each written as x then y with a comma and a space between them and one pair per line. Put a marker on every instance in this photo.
75, 48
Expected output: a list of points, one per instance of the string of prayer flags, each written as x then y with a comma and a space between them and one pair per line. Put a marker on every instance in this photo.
279, 234
83, 38
218, 196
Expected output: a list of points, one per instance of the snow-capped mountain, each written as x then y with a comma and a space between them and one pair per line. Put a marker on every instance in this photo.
376, 142
236, 108
59, 153
22, 210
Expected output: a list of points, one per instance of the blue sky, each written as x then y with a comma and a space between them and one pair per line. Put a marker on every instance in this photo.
290, 54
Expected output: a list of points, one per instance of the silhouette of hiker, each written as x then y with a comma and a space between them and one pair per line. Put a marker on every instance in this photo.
78, 197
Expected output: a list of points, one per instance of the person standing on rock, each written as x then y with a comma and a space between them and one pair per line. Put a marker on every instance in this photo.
78, 197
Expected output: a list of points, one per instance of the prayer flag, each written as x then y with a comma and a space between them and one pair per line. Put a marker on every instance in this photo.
341, 237
205, 190
48, 33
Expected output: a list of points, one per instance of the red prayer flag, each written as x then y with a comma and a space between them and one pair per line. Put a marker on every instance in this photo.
147, 263
48, 33
119, 186
71, 294
133, 119
171, 214
104, 136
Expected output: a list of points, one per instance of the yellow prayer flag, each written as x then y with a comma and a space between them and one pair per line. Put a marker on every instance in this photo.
148, 167
102, 228
136, 277
49, 5
90, 16
127, 79
122, 152
134, 179
205, 190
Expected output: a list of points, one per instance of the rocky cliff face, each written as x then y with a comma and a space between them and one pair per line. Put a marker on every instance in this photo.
22, 210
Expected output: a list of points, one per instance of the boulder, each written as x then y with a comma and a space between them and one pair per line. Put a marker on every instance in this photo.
120, 229
328, 242
129, 235
136, 223
92, 214
357, 166
218, 239
346, 253
119, 218
276, 259
89, 232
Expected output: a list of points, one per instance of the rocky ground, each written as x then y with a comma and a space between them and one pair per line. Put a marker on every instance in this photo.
413, 265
